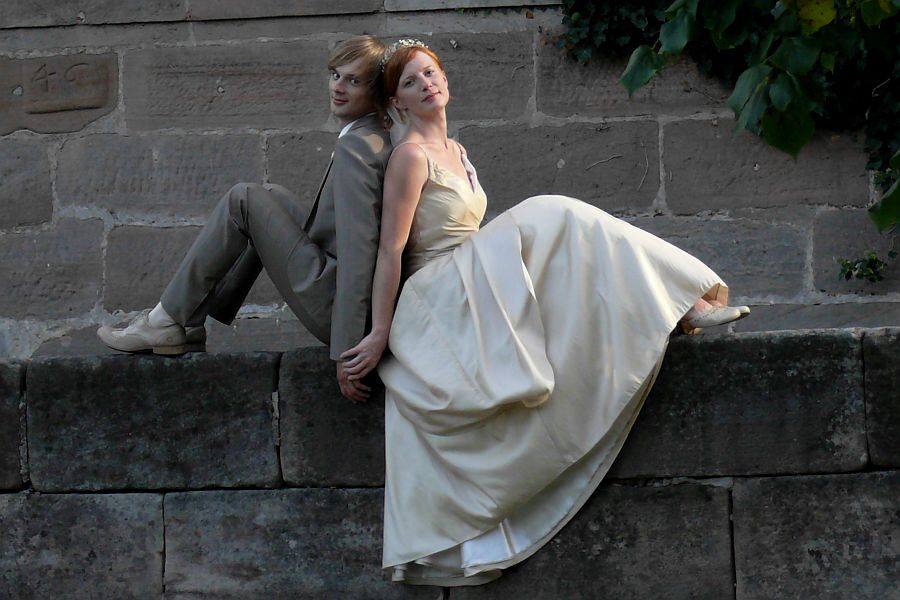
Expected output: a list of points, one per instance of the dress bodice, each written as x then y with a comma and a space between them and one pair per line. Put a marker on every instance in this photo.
450, 209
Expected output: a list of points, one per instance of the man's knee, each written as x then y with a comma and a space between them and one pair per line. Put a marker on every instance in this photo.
241, 195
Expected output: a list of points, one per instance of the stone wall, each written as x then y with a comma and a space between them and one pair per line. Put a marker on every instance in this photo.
763, 465
121, 123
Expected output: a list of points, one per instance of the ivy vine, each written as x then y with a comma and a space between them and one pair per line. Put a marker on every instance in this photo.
793, 65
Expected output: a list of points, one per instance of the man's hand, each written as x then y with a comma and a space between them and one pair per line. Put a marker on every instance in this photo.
356, 391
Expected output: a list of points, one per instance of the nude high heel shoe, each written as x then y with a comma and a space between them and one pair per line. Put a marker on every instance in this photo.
694, 321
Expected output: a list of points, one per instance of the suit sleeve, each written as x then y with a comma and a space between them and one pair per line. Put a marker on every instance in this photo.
358, 175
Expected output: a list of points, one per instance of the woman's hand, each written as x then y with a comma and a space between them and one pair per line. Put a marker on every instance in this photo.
363, 357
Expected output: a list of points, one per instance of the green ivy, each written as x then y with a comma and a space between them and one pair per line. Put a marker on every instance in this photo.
794, 66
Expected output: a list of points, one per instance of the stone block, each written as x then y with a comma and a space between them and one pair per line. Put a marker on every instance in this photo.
81, 546
602, 165
752, 404
712, 167
298, 161
68, 38
124, 422
25, 194
398, 5
825, 537
316, 420
278, 544
50, 13
775, 317
848, 234
756, 259
252, 85
881, 356
506, 20
51, 274
140, 261
12, 377
202, 10
54, 94
630, 542
287, 27
566, 88
156, 176
490, 77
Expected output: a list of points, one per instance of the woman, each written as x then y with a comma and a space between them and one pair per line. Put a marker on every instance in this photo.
520, 353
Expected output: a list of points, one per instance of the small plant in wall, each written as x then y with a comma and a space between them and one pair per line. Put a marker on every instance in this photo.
793, 65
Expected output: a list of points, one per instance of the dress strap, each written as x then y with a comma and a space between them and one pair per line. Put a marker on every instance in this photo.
427, 158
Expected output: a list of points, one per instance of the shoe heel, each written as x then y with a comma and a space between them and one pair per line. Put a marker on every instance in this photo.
170, 350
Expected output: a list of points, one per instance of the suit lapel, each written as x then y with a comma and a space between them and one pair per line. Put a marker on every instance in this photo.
315, 206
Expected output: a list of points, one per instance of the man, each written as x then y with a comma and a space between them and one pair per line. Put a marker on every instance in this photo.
321, 263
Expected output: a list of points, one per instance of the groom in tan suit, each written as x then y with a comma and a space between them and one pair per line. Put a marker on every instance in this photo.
322, 263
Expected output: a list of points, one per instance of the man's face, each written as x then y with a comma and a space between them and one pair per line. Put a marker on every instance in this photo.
350, 96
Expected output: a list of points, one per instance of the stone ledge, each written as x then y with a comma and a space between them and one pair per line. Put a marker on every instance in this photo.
881, 353
124, 422
12, 378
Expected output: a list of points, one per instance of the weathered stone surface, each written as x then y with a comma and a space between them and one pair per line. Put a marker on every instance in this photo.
25, 193
752, 404
400, 24
298, 161
849, 234
490, 77
828, 537
288, 27
445, 4
44, 13
253, 85
57, 93
775, 317
81, 545
756, 259
630, 542
51, 274
124, 422
881, 356
140, 261
67, 38
235, 9
271, 333
314, 417
278, 544
566, 88
712, 168
159, 176
601, 165
11, 379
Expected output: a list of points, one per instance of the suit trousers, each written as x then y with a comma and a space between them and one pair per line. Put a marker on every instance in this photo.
253, 227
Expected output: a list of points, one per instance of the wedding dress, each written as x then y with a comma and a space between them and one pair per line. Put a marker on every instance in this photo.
520, 355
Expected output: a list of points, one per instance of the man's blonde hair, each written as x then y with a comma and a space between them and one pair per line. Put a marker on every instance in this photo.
367, 47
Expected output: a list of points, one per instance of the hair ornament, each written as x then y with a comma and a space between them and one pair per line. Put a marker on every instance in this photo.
406, 43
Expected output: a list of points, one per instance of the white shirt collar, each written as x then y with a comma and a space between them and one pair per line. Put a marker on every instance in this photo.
350, 124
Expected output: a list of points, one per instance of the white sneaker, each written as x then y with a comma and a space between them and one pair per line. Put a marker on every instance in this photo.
140, 336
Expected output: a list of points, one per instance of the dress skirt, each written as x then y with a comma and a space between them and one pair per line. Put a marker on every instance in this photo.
518, 364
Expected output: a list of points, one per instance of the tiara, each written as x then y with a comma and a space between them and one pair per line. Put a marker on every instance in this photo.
408, 43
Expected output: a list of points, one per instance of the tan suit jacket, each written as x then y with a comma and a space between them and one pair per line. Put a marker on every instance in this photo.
344, 224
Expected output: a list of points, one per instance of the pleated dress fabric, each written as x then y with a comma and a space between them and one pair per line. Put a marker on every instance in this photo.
520, 355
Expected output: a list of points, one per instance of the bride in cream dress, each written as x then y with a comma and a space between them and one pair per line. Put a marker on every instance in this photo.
517, 356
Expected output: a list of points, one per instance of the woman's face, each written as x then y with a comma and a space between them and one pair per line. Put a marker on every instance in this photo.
422, 88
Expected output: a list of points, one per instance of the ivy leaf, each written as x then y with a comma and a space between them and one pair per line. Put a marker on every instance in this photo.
689, 5
675, 33
787, 131
875, 11
746, 85
886, 212
815, 14
752, 111
796, 55
779, 9
827, 60
762, 48
718, 19
643, 64
781, 92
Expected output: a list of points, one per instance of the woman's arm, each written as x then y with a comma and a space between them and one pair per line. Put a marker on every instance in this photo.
406, 174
